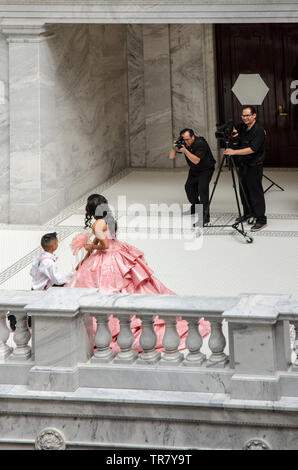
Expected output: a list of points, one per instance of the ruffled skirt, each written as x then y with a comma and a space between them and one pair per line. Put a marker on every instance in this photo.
122, 268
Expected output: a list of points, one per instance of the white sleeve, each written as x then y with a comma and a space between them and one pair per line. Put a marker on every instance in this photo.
49, 269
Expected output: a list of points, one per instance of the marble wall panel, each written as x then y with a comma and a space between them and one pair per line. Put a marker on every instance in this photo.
4, 131
136, 90
209, 59
146, 80
171, 73
68, 116
115, 98
48, 132
97, 95
71, 92
158, 106
25, 183
193, 81
187, 73
91, 106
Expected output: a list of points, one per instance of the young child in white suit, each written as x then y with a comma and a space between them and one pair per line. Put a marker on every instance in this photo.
44, 271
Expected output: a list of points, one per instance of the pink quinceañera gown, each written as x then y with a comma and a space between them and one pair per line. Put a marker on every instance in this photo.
122, 268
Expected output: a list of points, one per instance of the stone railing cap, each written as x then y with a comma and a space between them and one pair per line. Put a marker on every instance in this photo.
16, 299
132, 303
257, 307
59, 299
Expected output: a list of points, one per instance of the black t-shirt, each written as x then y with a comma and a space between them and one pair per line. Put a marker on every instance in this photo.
201, 149
253, 138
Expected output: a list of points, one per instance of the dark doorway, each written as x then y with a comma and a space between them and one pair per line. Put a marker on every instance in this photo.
272, 51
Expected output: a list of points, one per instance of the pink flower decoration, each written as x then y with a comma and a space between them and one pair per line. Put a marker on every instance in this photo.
79, 241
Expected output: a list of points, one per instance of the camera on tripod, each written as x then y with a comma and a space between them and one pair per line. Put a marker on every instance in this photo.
227, 133
179, 143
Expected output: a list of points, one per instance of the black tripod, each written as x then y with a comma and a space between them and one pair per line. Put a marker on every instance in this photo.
229, 159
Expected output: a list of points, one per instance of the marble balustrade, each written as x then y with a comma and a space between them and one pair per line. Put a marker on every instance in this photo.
249, 358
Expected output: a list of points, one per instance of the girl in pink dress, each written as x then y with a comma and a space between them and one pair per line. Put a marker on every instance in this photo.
111, 265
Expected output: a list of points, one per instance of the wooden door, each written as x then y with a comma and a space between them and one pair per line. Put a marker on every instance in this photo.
286, 71
272, 51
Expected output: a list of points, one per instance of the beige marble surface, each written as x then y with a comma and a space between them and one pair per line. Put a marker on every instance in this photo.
171, 86
68, 116
78, 115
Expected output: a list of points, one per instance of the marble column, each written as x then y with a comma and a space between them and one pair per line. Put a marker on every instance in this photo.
32, 126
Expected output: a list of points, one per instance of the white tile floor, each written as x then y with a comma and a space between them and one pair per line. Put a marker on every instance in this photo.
223, 264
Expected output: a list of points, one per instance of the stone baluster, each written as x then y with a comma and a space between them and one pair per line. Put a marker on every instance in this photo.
295, 345
102, 340
171, 341
21, 337
5, 350
125, 341
217, 343
148, 341
194, 343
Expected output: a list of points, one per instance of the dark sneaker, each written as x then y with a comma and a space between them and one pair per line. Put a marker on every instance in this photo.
257, 227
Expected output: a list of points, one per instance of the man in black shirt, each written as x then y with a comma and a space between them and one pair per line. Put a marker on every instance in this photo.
201, 167
250, 157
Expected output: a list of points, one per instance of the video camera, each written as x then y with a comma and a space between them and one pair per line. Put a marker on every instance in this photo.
226, 133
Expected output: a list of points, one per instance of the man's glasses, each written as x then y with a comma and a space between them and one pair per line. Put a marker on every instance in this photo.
246, 115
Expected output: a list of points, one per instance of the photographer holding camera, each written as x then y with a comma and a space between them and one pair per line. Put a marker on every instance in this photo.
201, 167
250, 154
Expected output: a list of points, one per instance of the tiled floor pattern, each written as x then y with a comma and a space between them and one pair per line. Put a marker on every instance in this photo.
222, 263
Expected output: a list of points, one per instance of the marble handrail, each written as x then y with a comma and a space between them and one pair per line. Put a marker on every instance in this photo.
62, 337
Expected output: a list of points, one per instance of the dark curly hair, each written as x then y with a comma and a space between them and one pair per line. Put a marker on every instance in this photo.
97, 206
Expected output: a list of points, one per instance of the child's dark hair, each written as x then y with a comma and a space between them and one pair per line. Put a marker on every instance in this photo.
97, 206
47, 240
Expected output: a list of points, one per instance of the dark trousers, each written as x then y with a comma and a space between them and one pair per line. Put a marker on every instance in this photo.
197, 190
254, 202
